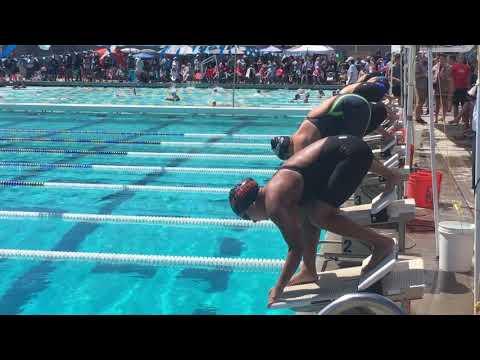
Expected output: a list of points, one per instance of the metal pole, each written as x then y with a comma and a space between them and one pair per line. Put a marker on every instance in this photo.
432, 148
234, 74
476, 246
410, 95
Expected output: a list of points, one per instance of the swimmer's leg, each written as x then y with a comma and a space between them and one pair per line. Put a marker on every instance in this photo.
329, 218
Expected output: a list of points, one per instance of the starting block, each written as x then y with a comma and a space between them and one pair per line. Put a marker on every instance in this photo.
384, 209
404, 283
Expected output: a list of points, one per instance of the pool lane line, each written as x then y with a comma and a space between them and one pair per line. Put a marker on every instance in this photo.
145, 154
119, 187
140, 169
143, 133
219, 263
137, 219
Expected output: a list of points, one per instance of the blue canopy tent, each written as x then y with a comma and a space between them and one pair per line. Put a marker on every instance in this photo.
7, 50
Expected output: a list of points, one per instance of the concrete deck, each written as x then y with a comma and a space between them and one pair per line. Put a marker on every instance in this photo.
446, 293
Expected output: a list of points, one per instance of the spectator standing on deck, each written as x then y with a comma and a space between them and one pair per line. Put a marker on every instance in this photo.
461, 78
352, 72
421, 87
442, 85
396, 76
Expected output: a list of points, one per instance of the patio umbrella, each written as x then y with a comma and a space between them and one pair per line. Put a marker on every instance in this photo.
130, 51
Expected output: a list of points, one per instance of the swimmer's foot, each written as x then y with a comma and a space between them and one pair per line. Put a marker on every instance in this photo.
378, 254
302, 278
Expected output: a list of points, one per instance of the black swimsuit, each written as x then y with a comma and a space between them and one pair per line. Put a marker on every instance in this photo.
349, 115
337, 172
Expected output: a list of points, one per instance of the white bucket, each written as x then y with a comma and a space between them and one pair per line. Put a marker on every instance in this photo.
455, 246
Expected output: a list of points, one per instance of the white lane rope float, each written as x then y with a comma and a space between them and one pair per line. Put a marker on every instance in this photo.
121, 187
140, 259
143, 133
139, 169
144, 154
136, 219
146, 142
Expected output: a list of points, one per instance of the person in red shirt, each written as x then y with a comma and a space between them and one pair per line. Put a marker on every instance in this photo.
461, 76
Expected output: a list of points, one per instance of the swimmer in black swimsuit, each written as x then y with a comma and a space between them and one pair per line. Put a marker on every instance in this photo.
347, 114
304, 196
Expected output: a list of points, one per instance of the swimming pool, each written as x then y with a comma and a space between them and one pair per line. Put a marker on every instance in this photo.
156, 96
46, 167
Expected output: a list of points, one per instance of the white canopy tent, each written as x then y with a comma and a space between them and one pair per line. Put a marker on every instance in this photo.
271, 49
178, 50
311, 49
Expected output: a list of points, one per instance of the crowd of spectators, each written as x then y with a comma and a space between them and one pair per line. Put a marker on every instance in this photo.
98, 66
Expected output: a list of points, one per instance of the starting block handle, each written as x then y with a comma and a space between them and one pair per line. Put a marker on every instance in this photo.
380, 202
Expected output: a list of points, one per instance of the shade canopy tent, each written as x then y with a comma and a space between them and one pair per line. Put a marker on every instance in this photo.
311, 49
143, 55
177, 50
271, 49
130, 51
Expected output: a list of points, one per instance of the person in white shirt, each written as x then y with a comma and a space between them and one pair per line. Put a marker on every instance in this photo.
352, 72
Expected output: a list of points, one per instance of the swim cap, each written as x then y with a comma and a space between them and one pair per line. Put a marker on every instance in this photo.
371, 91
280, 146
384, 81
242, 196
379, 114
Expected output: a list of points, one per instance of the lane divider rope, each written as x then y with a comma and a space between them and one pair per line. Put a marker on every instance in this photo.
137, 219
122, 187
144, 133
140, 259
130, 142
144, 154
140, 169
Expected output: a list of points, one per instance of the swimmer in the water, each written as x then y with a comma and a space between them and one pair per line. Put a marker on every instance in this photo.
173, 96
134, 92
304, 196
295, 98
214, 103
321, 93
305, 99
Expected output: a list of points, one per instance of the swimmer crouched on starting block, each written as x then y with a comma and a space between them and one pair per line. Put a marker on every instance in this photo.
347, 114
304, 196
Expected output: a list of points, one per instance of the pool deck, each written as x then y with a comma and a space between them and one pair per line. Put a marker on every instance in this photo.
178, 85
446, 293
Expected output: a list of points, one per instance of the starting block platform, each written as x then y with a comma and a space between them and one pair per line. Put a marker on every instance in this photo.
403, 284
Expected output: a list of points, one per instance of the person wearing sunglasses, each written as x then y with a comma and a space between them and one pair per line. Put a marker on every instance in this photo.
304, 196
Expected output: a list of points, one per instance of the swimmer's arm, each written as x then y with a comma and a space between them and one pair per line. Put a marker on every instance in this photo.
392, 176
289, 221
284, 210
349, 89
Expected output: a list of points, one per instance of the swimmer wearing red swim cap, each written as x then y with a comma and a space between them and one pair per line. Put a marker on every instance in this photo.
304, 196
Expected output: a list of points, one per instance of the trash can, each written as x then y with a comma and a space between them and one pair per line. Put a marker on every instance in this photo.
455, 246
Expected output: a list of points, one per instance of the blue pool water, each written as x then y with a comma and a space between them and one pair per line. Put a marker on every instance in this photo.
70, 287
156, 96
